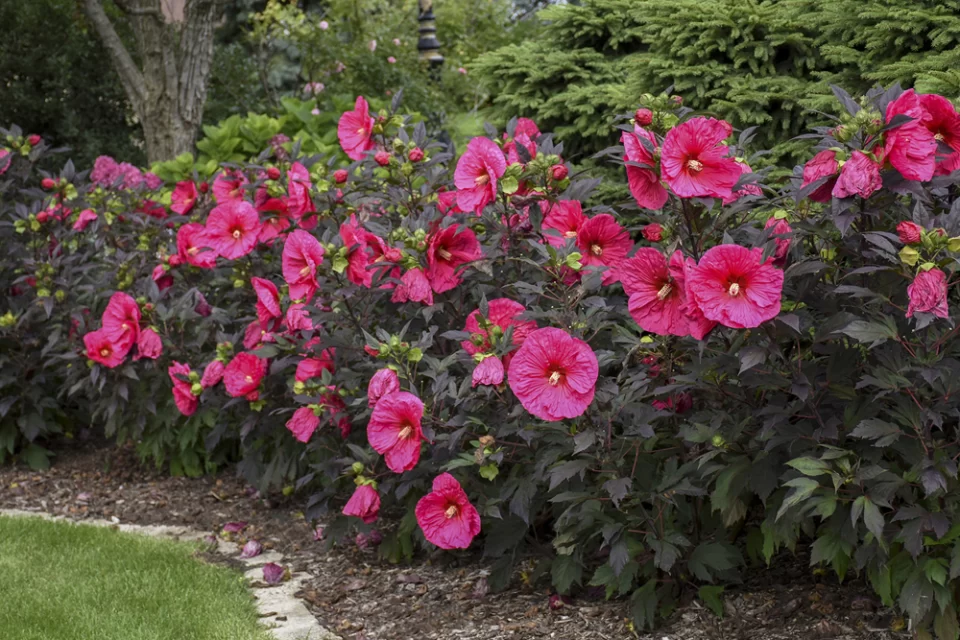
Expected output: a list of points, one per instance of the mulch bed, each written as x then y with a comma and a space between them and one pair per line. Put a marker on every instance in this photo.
440, 595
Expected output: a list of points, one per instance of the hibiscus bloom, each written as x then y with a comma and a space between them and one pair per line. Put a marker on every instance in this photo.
364, 504
272, 228
183, 396
928, 294
232, 229
383, 382
100, 348
86, 217
299, 202
414, 287
656, 294
695, 163
314, 367
394, 430
746, 190
228, 187
446, 516
380, 251
268, 301
733, 287
193, 247
476, 175
355, 130
302, 254
910, 147
780, 228
502, 313
943, 121
554, 375
358, 257
565, 216
603, 243
149, 345
823, 165
448, 249
489, 371
698, 324
121, 319
860, 175
183, 198
447, 203
297, 318
5, 159
643, 181
303, 423
212, 374
243, 375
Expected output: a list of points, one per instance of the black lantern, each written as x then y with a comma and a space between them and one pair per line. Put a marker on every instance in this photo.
428, 45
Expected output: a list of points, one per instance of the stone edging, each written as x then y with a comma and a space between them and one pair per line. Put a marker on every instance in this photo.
288, 619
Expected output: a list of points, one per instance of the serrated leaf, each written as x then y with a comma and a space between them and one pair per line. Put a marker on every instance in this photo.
710, 595
565, 570
809, 466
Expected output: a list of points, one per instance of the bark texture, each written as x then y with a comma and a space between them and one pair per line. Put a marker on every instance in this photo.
174, 47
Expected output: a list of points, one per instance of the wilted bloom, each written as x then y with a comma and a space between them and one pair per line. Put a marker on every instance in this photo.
228, 186
565, 216
86, 217
656, 293
355, 130
694, 162
928, 294
644, 183
212, 374
394, 430
268, 301
251, 550
603, 243
364, 504
447, 250
860, 175
414, 287
553, 374
100, 348
780, 228
302, 254
652, 232
314, 367
383, 382
183, 396
489, 371
446, 516
476, 174
243, 375
163, 279
733, 287
910, 147
121, 319
746, 190
297, 318
149, 345
303, 423
822, 165
943, 121
502, 313
299, 202
273, 573
183, 198
910, 232
193, 247
234, 527
232, 229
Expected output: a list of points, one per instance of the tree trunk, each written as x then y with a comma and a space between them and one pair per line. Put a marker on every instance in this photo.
174, 40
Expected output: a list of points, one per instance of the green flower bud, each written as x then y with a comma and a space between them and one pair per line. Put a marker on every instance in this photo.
415, 355
718, 441
909, 256
60, 295
357, 468
196, 388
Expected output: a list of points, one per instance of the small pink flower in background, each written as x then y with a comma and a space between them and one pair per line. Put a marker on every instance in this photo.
183, 396
309, 368
355, 130
314, 88
396, 41
554, 375
373, 45
780, 228
643, 181
860, 176
489, 371
297, 318
324, 25
822, 165
315, 111
383, 382
5, 159
149, 345
928, 294
394, 430
565, 216
731, 286
86, 217
243, 375
694, 162
391, 60
656, 293
446, 516
910, 232
299, 202
476, 174
604, 243
462, 71
502, 313
363, 504
340, 68
234, 527
232, 229
303, 423
212, 374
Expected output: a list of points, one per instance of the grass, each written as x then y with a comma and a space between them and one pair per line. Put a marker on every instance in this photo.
61, 581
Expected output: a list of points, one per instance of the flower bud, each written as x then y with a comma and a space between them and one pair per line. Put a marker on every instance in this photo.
653, 232
273, 173
340, 176
299, 388
42, 217
34, 140
204, 187
357, 468
559, 172
842, 133
196, 388
718, 441
643, 117
909, 256
48, 184
382, 158
416, 154
60, 295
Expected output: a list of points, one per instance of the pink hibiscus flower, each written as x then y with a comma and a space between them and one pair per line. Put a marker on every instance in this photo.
299, 202
363, 504
414, 287
194, 248
502, 313
733, 287
698, 324
860, 175
303, 423
183, 396
603, 243
694, 162
100, 348
928, 294
566, 217
394, 430
183, 198
121, 320
212, 374
943, 121
268, 301
746, 190
86, 217
447, 250
297, 318
489, 371
656, 293
554, 375
476, 174
243, 375
232, 229
302, 254
446, 516
780, 228
149, 345
822, 165
643, 181
355, 130
910, 148
228, 186
382, 383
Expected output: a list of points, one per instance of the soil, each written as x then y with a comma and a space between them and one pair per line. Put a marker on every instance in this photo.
440, 595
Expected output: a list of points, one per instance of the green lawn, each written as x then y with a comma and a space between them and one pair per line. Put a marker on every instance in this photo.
60, 581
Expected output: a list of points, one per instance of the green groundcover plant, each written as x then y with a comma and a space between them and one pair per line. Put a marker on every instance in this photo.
668, 391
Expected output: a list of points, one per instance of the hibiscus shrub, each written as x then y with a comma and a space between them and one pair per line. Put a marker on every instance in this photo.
668, 390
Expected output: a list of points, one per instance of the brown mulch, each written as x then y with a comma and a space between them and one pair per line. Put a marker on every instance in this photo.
440, 595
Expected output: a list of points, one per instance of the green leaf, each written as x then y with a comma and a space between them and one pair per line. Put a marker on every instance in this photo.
712, 556
643, 605
873, 519
945, 624
565, 570
489, 471
883, 432
37, 457
809, 466
801, 488
509, 184
710, 596
873, 332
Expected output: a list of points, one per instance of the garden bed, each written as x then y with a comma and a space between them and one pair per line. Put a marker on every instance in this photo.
438, 596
